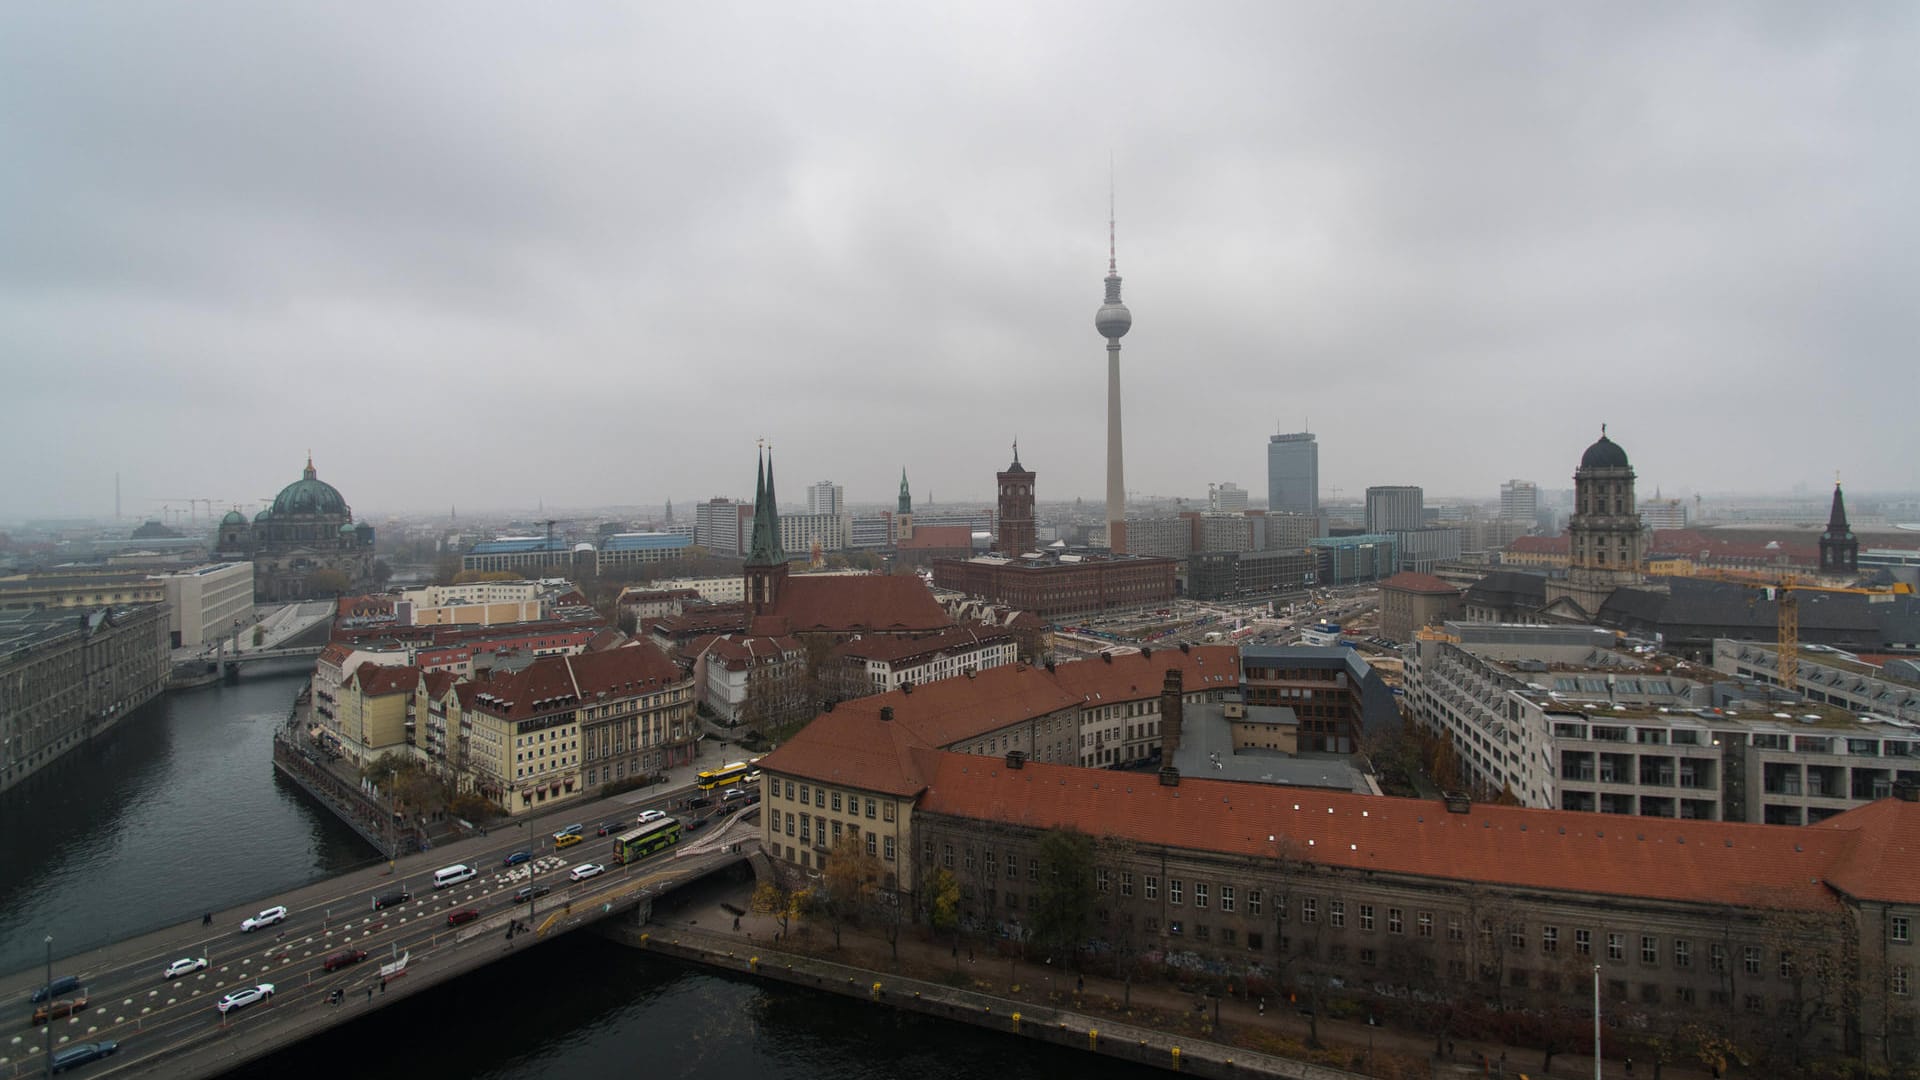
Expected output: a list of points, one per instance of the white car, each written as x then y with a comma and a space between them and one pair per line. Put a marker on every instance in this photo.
266, 918
586, 870
186, 966
240, 999
651, 815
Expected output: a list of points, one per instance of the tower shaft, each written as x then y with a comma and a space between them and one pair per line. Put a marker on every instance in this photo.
1116, 464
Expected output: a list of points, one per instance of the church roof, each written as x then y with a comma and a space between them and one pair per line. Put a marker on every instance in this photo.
309, 495
842, 604
1409, 581
1604, 454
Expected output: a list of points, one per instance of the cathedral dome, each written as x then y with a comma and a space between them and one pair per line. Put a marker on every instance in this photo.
234, 517
309, 495
1605, 454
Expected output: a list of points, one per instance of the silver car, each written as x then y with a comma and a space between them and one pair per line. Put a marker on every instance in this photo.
266, 918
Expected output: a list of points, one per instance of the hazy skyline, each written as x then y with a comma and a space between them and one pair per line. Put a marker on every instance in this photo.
484, 255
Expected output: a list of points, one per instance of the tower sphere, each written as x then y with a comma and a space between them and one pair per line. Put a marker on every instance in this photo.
1113, 320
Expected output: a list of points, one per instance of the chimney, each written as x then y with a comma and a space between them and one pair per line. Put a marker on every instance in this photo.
1457, 802
1906, 791
1170, 717
1146, 652
1169, 776
886, 712
1016, 759
906, 686
1049, 665
1106, 657
1186, 647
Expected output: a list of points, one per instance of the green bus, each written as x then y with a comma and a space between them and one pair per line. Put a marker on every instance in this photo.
652, 837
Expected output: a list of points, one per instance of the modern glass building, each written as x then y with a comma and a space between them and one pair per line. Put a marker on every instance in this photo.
1293, 473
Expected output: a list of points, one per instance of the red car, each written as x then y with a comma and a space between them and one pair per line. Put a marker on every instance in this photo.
465, 915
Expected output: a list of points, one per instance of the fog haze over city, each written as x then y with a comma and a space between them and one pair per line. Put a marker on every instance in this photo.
493, 256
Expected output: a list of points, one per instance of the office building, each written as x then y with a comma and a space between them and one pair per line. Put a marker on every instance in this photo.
66, 677
720, 526
208, 602
1395, 508
1519, 501
1293, 473
1226, 498
826, 497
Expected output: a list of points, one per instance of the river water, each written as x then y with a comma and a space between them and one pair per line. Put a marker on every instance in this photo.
179, 811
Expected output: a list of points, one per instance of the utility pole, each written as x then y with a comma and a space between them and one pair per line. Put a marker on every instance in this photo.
1596, 1022
49, 986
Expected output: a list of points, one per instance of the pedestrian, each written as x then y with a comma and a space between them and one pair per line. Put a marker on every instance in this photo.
1629, 1066
369, 995
383, 984
207, 919
736, 922
1263, 1006
1079, 984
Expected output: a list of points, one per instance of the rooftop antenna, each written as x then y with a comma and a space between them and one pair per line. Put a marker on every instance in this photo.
1113, 266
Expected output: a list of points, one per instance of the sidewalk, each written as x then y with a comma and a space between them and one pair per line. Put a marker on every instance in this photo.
1275, 1029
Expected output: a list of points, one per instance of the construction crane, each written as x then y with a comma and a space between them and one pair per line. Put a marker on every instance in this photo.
191, 504
1782, 589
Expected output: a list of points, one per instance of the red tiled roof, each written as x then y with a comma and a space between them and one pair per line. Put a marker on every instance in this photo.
1409, 581
939, 536
1656, 858
377, 679
1883, 863
741, 652
335, 653
851, 604
1137, 676
1542, 545
437, 682
853, 747
895, 649
565, 681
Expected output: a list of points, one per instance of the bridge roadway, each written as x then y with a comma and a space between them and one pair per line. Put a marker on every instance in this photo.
173, 1029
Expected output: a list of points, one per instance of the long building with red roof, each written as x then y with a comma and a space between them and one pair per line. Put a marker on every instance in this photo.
1719, 922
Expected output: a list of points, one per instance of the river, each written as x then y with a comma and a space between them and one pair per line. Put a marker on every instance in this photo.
179, 811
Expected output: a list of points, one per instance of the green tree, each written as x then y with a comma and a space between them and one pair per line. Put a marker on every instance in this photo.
783, 904
382, 573
943, 905
328, 583
1063, 915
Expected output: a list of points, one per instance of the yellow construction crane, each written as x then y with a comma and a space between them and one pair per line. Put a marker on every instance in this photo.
1781, 588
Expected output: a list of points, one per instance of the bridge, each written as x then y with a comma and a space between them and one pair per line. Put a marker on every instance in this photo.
173, 1028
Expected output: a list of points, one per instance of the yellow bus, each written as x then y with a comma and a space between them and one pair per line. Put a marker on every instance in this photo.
730, 773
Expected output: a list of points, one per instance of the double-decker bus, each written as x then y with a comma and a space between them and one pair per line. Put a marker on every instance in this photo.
730, 773
654, 836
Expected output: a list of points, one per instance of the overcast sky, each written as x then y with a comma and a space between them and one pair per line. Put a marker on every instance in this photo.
489, 254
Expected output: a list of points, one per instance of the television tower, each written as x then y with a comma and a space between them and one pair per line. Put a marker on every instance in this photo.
1113, 320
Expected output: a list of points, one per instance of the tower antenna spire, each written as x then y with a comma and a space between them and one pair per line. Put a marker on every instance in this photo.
1113, 265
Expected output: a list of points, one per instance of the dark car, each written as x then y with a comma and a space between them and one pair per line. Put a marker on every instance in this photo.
695, 823
609, 827
465, 915
82, 1053
517, 858
63, 984
392, 899
529, 893
346, 958
700, 802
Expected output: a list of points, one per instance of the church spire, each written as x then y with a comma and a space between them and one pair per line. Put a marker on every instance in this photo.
764, 549
1839, 550
905, 505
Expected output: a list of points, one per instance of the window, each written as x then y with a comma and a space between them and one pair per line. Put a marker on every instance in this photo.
1309, 909
1583, 942
987, 859
1683, 995
1152, 886
1753, 959
870, 808
1336, 913
1649, 949
820, 798
886, 811
1717, 957
1226, 898
1013, 867
1126, 883
1786, 964
870, 844
1423, 920
1033, 871
1455, 932
1199, 894
1395, 923
1173, 890
946, 858
803, 793
1517, 937
1549, 939
1616, 946
1100, 880
1900, 980
887, 848
1682, 953
1200, 931
1367, 957
1756, 1003
1366, 916
966, 857
789, 818
1901, 929
1253, 901
836, 802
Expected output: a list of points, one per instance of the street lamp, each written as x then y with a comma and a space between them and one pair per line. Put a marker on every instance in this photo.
1596, 1022
49, 986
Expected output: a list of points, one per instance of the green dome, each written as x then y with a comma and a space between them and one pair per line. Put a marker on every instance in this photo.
309, 495
234, 517
346, 529
262, 517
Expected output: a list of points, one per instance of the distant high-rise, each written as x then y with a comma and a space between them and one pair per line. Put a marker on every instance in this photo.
1113, 320
1016, 508
826, 497
1519, 501
1293, 473
1395, 508
1228, 498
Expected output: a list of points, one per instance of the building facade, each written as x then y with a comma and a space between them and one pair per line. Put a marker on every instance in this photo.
1058, 586
1395, 509
1605, 531
1293, 474
883, 663
1350, 560
207, 603
1224, 575
1409, 601
1520, 501
1017, 535
68, 677
1226, 498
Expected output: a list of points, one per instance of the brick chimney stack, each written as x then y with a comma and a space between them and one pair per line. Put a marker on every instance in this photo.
1170, 714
